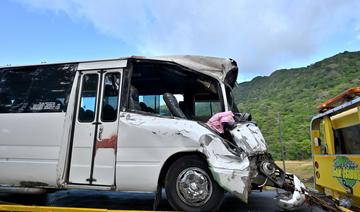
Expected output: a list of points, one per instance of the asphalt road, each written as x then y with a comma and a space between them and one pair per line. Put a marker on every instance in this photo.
258, 201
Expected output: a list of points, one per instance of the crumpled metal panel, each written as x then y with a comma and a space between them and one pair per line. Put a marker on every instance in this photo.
213, 66
232, 172
249, 138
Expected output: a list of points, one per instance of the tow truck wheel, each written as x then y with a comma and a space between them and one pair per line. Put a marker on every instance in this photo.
189, 186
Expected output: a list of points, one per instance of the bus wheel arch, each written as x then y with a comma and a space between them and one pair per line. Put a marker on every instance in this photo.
192, 169
171, 160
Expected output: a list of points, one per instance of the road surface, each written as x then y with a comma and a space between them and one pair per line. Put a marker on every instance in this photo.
258, 201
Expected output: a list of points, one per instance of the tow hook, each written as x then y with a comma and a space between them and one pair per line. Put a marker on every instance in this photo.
295, 194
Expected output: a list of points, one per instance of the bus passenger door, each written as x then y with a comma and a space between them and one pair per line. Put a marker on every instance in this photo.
107, 133
94, 142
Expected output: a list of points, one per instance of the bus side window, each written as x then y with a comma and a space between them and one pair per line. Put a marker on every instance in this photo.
88, 98
110, 97
36, 89
206, 106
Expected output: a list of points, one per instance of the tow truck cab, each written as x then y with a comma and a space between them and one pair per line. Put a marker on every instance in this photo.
335, 141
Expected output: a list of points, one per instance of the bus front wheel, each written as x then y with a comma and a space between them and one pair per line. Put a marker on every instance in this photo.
189, 186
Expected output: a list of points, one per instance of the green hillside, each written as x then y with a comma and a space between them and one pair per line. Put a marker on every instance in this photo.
295, 94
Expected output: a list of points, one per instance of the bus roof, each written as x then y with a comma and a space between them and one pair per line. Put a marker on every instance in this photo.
221, 68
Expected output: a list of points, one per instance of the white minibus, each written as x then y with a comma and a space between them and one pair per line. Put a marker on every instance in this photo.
134, 124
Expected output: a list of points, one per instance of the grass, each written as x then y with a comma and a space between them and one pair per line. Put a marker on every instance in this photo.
302, 169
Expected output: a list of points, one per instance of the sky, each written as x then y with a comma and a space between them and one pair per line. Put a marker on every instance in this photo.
262, 36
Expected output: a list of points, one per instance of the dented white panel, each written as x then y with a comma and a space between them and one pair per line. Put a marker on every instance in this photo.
249, 138
212, 66
232, 172
146, 142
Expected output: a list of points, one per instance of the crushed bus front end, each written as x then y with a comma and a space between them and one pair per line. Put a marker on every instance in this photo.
240, 163
235, 148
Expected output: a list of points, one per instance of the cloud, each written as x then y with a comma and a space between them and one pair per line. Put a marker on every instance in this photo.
260, 35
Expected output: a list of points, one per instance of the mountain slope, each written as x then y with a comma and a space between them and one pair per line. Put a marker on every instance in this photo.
293, 95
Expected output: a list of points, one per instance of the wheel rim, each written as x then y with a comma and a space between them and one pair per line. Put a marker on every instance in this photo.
194, 187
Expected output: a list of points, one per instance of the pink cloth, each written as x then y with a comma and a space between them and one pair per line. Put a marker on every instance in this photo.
217, 121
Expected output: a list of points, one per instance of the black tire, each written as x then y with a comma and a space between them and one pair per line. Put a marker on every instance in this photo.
212, 202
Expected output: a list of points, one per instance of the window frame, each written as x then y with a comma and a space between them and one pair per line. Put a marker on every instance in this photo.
80, 96
219, 89
38, 74
210, 104
103, 94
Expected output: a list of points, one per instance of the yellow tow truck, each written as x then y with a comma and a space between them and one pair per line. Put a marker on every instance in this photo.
335, 144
